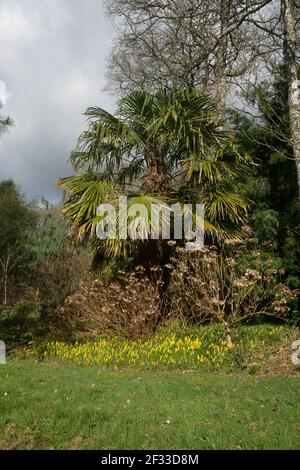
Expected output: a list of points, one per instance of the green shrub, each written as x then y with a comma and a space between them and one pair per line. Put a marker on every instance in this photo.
266, 225
19, 324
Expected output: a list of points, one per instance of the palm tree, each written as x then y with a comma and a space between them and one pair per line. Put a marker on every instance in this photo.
170, 146
5, 122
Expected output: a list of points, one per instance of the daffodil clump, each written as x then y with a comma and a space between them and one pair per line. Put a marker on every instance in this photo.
159, 351
192, 348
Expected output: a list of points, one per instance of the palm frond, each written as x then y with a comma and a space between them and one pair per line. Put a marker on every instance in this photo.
84, 194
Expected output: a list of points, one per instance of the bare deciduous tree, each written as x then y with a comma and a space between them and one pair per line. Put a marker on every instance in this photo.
209, 45
190, 42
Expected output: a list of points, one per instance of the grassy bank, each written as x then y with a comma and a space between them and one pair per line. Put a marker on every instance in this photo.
47, 406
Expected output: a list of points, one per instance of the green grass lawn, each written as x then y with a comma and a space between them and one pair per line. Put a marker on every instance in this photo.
48, 406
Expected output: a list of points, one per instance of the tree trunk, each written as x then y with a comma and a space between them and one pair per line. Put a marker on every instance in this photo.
221, 58
5, 289
290, 48
155, 253
5, 268
155, 180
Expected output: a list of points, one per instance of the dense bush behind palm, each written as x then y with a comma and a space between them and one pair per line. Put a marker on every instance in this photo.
276, 214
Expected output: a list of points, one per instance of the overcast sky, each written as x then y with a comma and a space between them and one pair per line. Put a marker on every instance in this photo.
52, 60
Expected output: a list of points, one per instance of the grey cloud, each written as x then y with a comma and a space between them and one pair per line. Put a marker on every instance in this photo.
52, 56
